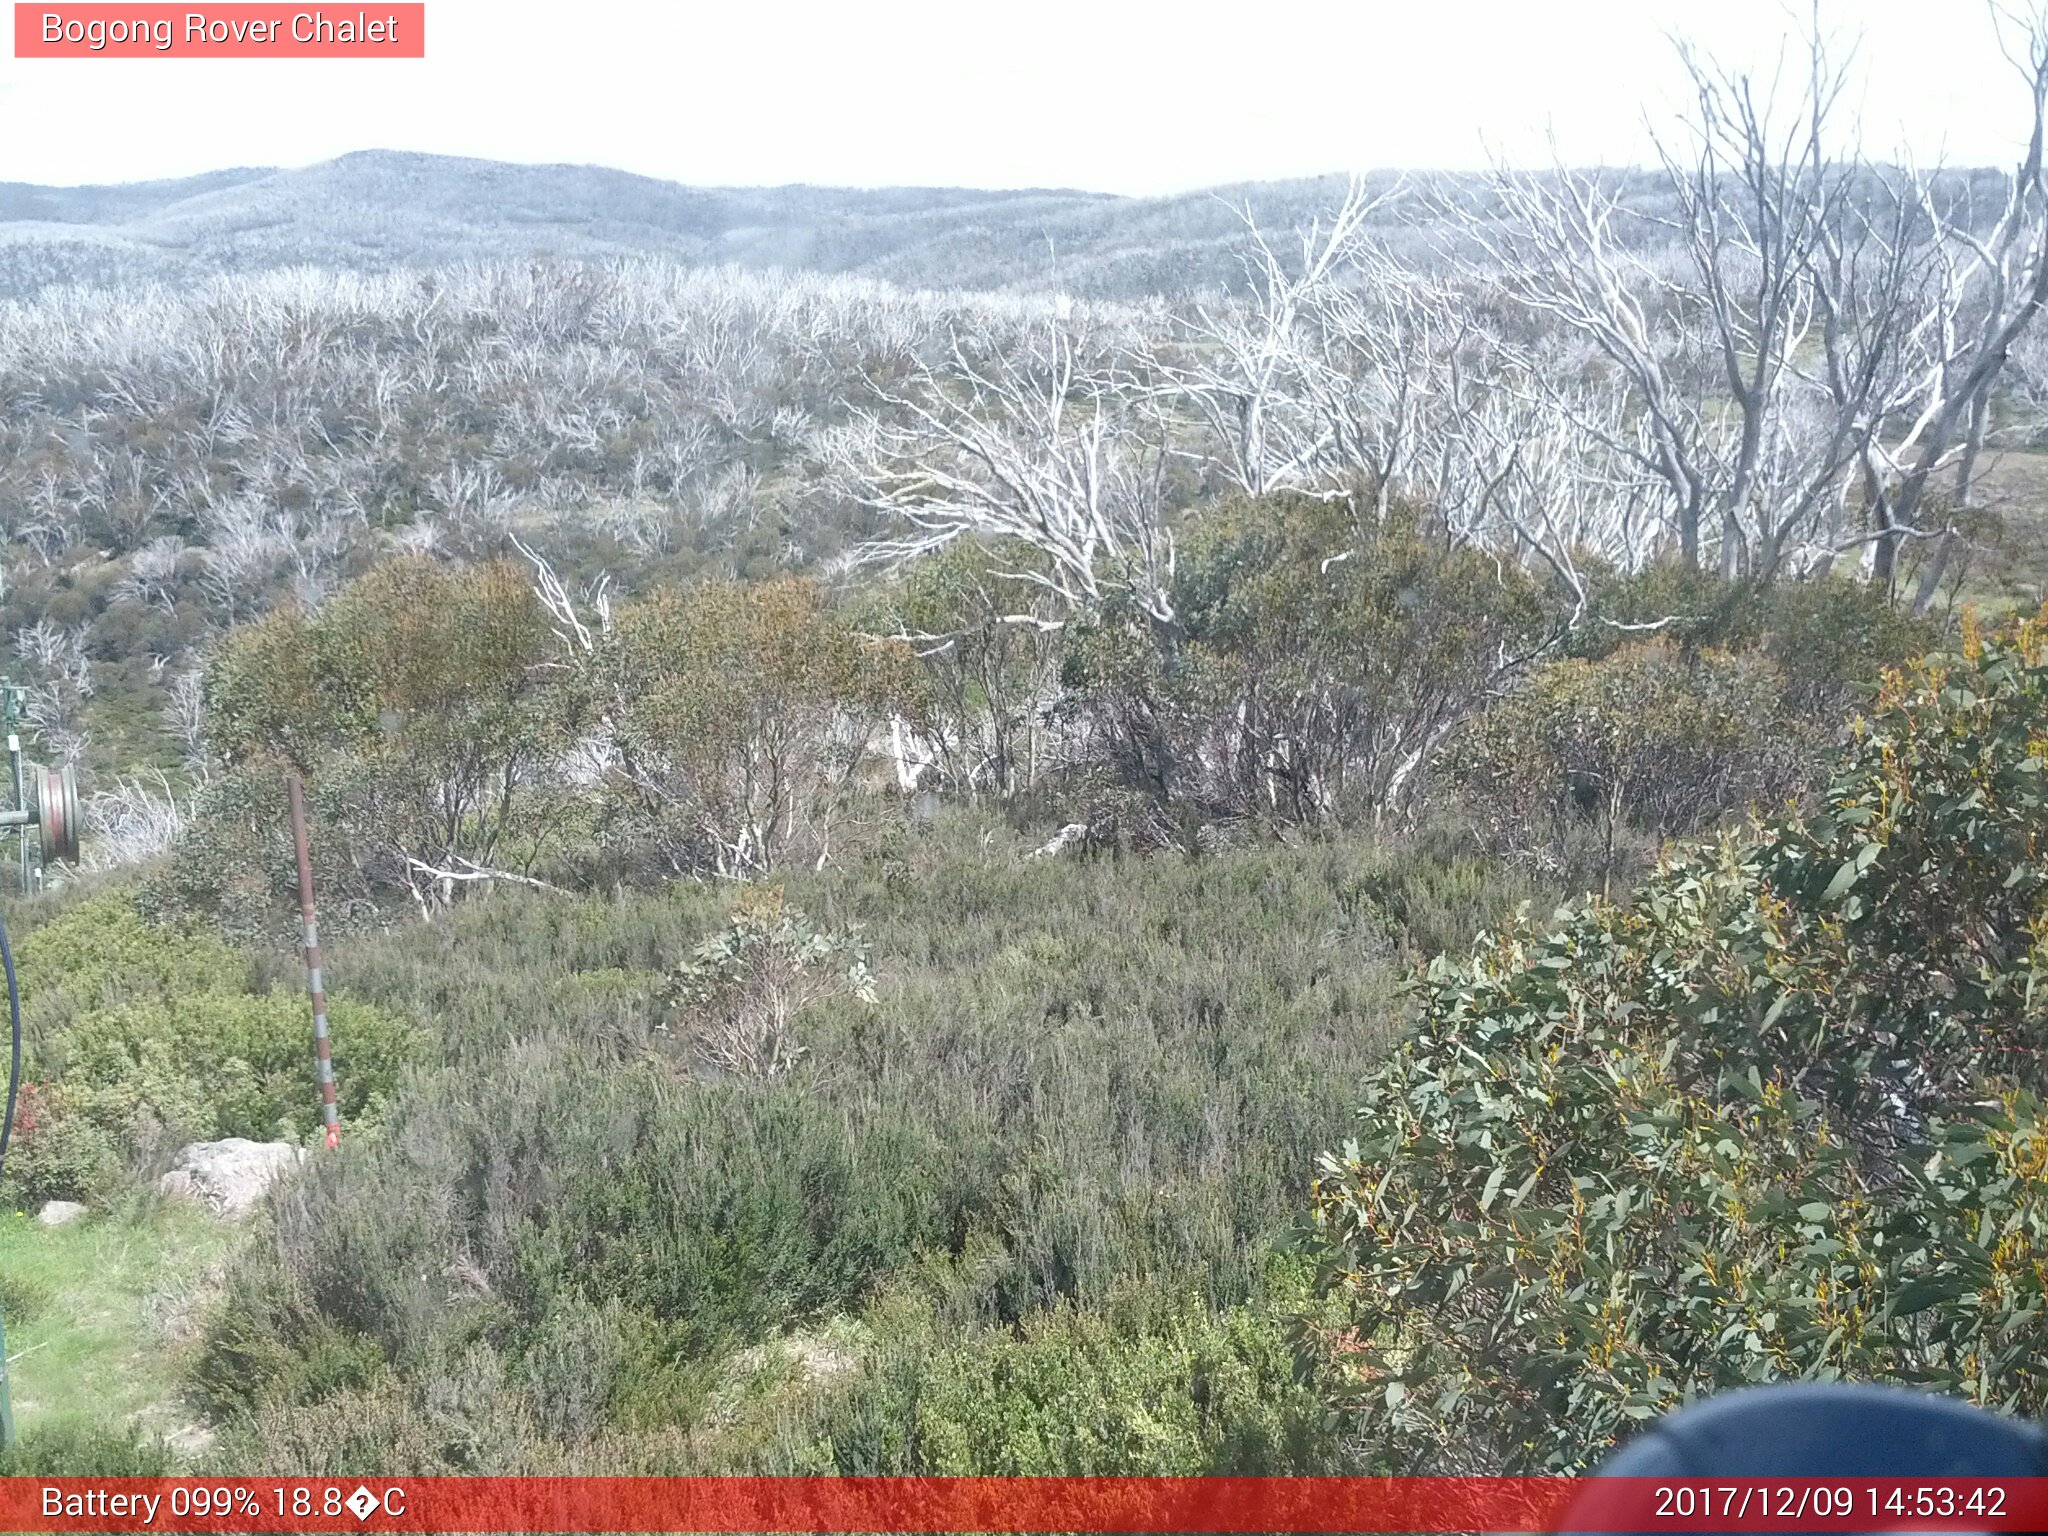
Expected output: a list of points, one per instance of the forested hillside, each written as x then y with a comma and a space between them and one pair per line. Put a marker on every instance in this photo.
1026, 833
380, 211
377, 211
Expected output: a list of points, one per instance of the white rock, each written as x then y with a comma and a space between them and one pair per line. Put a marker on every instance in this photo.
229, 1176
56, 1212
190, 1440
1067, 837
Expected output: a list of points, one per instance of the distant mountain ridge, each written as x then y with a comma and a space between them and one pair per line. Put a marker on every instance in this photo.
378, 209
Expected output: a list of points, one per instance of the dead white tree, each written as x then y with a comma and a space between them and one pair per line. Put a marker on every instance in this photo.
1051, 444
580, 638
133, 822
1525, 468
184, 714
1993, 294
1784, 246
1380, 343
1250, 369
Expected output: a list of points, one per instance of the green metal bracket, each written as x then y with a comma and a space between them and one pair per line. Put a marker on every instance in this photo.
10, 717
45, 801
53, 815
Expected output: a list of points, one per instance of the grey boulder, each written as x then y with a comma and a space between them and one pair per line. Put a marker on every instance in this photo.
229, 1177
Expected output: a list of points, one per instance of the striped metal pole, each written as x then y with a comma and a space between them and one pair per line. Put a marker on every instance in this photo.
323, 1059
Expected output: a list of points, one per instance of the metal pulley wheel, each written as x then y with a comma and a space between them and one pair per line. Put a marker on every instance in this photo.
57, 814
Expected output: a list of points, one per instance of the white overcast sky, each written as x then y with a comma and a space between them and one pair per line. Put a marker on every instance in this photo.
1129, 96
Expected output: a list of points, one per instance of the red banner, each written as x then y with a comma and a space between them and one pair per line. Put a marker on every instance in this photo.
229, 30
1081, 1504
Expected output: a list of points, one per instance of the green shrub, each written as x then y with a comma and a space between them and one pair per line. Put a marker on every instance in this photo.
723, 1212
95, 1451
1149, 1381
233, 872
1146, 1384
269, 1347
987, 674
1827, 637
736, 999
21, 1298
1314, 669
469, 1422
423, 708
742, 716
102, 951
57, 1155
221, 1064
1076, 1076
1647, 739
1775, 1117
144, 1037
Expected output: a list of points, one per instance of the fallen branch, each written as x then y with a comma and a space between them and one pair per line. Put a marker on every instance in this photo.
471, 872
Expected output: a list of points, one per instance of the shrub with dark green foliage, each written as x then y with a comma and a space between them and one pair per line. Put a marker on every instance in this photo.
990, 647
1315, 668
1648, 739
1777, 1116
421, 705
1827, 637
234, 870
734, 1002
742, 716
1078, 1076
1149, 1380
21, 1298
1146, 1383
93, 1452
142, 1038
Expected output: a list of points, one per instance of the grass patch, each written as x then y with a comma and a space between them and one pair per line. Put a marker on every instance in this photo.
107, 1320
